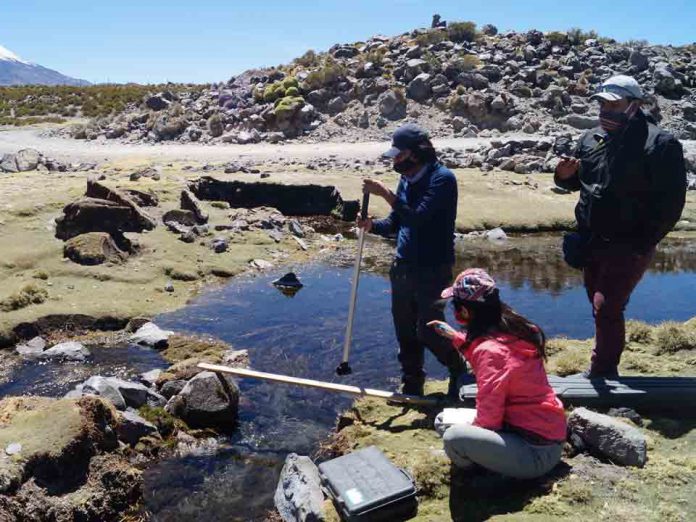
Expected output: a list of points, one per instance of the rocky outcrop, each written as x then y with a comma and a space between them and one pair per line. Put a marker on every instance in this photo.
106, 210
294, 200
506, 82
64, 464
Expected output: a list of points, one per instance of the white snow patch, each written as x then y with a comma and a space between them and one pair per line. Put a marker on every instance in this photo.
6, 54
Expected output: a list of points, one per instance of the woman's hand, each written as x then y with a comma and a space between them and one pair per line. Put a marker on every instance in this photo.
443, 329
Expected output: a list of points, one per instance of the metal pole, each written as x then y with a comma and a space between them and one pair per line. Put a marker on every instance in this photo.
344, 368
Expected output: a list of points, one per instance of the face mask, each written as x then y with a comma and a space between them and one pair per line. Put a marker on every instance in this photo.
406, 165
613, 121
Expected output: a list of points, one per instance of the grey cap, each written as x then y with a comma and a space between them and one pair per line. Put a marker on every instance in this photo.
617, 88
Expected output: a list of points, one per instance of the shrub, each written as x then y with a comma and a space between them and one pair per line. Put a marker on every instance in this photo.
292, 91
462, 31
638, 332
329, 72
308, 59
557, 38
431, 37
672, 337
470, 62
287, 105
577, 36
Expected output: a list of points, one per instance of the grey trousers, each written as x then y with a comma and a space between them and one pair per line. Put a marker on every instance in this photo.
415, 302
505, 453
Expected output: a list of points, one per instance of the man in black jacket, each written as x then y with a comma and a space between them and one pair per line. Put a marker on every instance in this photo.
632, 183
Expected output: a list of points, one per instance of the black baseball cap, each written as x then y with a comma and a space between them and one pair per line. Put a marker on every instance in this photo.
409, 136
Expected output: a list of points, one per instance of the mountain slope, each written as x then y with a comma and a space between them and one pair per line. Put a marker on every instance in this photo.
15, 71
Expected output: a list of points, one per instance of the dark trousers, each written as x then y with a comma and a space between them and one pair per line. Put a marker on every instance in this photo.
611, 275
415, 302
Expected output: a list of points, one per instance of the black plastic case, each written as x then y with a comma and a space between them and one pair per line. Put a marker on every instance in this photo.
366, 486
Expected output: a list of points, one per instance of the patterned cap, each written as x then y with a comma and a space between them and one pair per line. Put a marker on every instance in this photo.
473, 284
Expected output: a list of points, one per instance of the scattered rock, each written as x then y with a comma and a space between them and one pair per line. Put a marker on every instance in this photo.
102, 387
70, 351
289, 280
171, 388
207, 401
132, 427
191, 203
150, 378
151, 335
93, 248
497, 234
32, 348
613, 439
299, 496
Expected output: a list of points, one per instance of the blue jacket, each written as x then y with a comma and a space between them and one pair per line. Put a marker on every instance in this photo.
422, 218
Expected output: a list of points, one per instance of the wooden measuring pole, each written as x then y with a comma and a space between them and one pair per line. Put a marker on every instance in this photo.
322, 385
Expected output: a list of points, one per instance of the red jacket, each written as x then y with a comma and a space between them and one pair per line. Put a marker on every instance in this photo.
512, 386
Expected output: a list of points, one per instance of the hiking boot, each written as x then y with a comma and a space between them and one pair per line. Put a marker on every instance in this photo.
411, 388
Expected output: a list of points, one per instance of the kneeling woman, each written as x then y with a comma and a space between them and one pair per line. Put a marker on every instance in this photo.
520, 425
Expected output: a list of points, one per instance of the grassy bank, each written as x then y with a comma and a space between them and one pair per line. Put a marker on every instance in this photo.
581, 487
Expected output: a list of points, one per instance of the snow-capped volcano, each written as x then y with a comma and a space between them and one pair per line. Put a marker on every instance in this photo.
16, 71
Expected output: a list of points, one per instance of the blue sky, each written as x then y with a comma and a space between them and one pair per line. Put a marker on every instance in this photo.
151, 41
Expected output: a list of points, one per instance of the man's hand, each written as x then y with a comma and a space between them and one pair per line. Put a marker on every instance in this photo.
567, 167
372, 186
365, 224
443, 329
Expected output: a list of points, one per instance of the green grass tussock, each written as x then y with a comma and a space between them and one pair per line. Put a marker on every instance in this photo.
26, 296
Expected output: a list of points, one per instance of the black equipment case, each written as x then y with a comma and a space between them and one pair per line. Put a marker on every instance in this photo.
366, 486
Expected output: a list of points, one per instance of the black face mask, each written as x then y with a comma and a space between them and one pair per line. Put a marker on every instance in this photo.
405, 166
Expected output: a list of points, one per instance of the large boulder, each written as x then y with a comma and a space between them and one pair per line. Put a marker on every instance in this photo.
298, 496
93, 248
70, 351
22, 161
207, 401
392, 105
611, 438
102, 210
419, 89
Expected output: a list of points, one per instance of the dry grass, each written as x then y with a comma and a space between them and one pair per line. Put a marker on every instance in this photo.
671, 337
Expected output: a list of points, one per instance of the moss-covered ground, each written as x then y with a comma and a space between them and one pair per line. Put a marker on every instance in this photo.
581, 487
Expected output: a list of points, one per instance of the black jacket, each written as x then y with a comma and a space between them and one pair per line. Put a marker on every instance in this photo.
632, 186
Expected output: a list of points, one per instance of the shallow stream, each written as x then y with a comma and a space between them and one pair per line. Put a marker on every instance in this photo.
302, 336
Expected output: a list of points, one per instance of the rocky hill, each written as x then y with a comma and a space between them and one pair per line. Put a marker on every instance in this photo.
15, 71
456, 80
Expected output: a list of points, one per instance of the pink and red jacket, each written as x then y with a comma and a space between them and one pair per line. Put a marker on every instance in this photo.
513, 389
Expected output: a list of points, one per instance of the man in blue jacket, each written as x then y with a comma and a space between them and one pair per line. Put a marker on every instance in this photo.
422, 218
